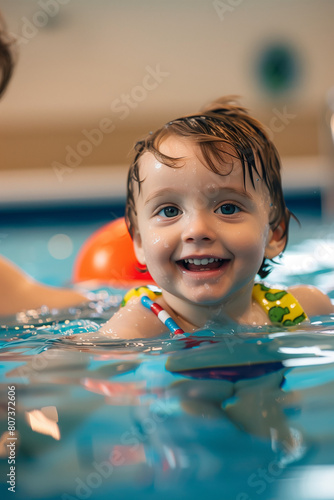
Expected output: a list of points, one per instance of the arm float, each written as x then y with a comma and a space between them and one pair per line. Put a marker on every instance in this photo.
163, 316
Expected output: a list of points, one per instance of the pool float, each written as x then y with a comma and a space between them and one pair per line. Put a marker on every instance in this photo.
280, 305
108, 257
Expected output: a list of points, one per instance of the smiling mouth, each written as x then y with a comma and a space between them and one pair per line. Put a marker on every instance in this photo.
206, 264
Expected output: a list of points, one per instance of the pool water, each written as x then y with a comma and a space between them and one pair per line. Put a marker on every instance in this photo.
224, 414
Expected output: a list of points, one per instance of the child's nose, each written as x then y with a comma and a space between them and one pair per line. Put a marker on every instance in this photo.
199, 228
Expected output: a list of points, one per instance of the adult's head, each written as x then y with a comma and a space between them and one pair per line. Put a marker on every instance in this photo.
6, 57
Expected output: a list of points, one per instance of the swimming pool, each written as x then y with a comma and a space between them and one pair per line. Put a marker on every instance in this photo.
240, 414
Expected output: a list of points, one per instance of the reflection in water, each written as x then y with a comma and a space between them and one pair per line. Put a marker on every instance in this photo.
44, 421
225, 415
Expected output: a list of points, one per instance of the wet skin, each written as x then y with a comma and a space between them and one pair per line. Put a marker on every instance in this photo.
203, 236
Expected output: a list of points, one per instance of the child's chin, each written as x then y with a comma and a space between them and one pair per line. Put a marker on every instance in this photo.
204, 298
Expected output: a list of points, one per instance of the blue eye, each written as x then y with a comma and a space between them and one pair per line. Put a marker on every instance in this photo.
228, 209
169, 212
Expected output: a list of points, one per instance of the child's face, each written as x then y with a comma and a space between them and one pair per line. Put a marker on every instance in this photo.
202, 235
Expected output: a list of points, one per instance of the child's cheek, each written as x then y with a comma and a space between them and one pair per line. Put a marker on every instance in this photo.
157, 252
252, 243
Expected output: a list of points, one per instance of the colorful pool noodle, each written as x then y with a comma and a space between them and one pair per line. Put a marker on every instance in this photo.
162, 315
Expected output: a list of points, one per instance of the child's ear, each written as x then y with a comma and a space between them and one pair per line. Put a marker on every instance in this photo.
138, 247
276, 241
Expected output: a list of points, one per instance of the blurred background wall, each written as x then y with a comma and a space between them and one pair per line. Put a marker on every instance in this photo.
93, 76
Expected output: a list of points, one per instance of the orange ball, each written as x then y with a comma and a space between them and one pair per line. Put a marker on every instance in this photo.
108, 257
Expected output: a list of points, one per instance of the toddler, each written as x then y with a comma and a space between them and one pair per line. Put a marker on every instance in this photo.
206, 213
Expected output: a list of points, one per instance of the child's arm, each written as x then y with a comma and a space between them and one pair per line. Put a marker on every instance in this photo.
19, 292
313, 301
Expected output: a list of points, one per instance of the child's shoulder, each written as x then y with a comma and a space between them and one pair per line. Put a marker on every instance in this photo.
313, 301
132, 321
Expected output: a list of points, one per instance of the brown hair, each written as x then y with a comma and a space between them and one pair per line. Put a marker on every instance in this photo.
6, 58
218, 127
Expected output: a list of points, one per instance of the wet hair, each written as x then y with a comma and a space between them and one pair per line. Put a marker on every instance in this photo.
6, 57
223, 130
